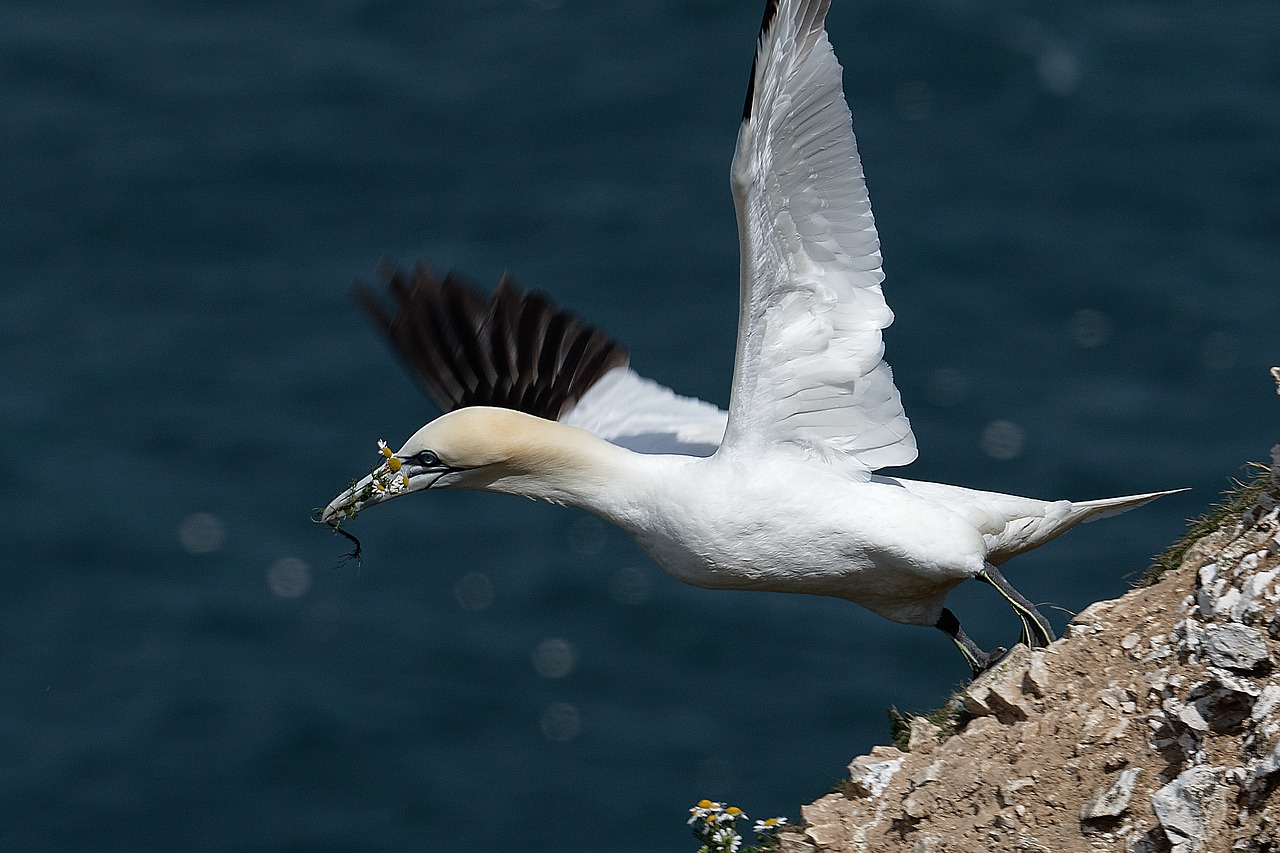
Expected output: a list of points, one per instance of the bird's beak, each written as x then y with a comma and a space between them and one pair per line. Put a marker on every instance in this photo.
363, 494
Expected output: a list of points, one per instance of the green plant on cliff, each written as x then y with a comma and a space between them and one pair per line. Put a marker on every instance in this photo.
1234, 503
949, 719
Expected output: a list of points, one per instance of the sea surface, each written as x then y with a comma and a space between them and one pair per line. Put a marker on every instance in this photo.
1079, 204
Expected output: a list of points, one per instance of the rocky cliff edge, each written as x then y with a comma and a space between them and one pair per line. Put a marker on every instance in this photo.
1153, 726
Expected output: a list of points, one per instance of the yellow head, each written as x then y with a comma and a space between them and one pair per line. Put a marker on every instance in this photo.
479, 447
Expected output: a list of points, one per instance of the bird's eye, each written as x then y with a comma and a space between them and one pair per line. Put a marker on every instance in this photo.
426, 459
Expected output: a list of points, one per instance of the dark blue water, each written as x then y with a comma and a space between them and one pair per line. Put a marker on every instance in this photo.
1078, 206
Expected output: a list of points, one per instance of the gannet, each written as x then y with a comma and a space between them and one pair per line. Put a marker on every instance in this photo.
780, 493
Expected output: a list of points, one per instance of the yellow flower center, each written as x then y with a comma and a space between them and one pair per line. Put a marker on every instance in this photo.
733, 810
703, 804
394, 463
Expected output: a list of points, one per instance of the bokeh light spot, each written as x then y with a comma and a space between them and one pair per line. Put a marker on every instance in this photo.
289, 577
1003, 440
560, 722
554, 658
201, 533
630, 586
1059, 70
946, 387
1089, 328
473, 591
586, 535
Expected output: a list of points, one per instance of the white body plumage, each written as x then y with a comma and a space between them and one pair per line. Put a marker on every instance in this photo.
773, 521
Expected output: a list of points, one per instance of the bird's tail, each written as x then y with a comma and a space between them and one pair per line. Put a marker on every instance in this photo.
1024, 532
1086, 511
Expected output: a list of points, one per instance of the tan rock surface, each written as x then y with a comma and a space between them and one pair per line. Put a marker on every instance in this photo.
1153, 726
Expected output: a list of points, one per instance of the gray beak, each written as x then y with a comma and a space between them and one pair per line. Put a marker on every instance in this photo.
363, 494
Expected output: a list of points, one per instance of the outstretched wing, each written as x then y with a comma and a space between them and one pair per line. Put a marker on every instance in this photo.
641, 415
521, 351
809, 370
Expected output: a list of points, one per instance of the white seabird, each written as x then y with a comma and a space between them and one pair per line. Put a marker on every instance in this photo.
777, 494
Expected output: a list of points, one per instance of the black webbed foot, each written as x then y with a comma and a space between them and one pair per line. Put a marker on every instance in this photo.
978, 660
1036, 631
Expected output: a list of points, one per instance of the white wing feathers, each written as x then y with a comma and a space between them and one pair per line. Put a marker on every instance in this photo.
808, 373
639, 414
809, 369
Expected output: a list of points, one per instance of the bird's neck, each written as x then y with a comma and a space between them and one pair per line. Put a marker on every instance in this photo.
555, 462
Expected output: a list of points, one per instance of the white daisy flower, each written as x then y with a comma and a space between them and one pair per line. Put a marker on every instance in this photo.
705, 810
731, 814
726, 840
769, 825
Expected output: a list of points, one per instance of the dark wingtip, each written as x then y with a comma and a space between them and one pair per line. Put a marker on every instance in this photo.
510, 349
770, 12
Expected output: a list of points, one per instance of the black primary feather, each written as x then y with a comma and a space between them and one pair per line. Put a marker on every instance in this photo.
511, 349
770, 12
809, 22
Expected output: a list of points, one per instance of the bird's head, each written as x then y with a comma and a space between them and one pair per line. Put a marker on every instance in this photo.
478, 447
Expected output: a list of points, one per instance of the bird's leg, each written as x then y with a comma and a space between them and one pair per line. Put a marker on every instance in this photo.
978, 660
1035, 628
